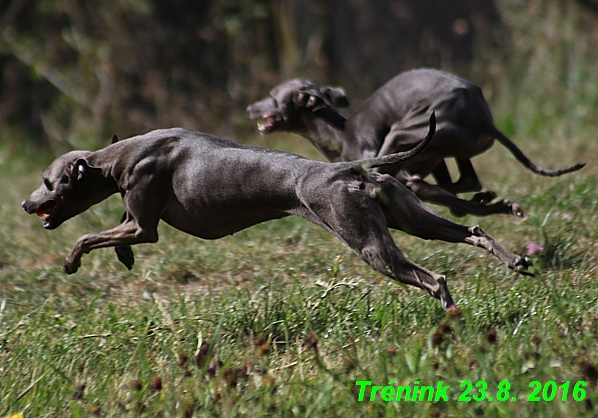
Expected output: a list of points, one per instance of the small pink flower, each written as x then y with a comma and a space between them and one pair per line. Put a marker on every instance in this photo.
533, 248
566, 216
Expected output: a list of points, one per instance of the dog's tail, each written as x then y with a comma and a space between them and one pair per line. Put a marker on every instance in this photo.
404, 155
522, 158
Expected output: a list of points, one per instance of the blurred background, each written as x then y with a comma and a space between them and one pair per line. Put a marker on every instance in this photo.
74, 72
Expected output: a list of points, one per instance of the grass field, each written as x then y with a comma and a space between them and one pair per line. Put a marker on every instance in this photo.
283, 320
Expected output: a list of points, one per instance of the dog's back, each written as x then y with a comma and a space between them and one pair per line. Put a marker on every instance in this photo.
230, 186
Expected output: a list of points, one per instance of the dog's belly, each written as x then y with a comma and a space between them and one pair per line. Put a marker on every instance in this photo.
217, 222
422, 167
461, 146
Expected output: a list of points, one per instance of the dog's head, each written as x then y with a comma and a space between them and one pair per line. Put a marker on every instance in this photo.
290, 102
68, 189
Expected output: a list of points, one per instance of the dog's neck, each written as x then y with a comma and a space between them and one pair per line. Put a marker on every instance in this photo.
111, 179
327, 134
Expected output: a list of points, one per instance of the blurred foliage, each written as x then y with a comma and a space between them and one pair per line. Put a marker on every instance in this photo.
73, 72
552, 71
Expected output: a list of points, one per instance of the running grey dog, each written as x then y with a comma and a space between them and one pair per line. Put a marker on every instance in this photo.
395, 118
211, 187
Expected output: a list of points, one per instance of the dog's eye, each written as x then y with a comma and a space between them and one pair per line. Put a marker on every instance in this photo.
48, 184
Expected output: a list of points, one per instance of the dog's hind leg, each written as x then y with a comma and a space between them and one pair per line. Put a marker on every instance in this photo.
480, 205
406, 212
381, 253
359, 222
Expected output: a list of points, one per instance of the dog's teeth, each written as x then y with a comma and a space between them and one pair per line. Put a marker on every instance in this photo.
266, 122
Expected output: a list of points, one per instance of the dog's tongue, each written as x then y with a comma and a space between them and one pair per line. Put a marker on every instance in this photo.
46, 209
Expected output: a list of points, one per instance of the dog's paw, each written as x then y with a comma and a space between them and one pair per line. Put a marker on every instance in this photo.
514, 208
125, 255
71, 266
523, 265
444, 296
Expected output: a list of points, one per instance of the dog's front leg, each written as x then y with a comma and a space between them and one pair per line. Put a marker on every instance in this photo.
125, 253
126, 234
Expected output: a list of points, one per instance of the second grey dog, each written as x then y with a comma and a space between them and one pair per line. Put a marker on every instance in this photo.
395, 118
211, 187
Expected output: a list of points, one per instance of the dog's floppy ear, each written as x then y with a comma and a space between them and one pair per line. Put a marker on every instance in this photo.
311, 98
336, 95
321, 105
316, 98
82, 168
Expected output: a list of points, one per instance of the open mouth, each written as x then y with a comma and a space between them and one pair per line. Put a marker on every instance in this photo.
46, 208
267, 122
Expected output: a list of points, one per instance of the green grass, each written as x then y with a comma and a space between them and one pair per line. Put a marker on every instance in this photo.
293, 319
282, 319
